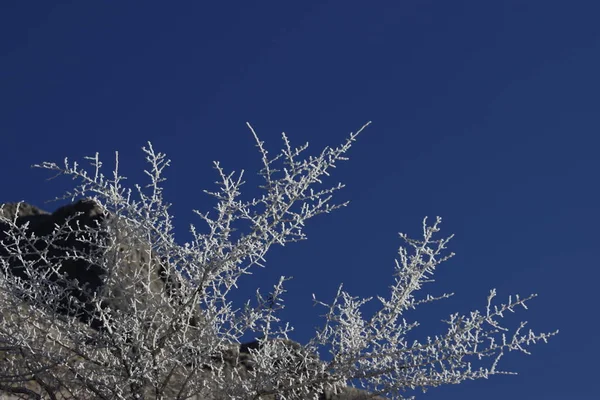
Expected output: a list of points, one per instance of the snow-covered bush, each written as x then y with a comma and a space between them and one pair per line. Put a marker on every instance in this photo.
175, 344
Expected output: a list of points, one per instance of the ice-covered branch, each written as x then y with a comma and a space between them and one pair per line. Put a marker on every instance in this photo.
99, 300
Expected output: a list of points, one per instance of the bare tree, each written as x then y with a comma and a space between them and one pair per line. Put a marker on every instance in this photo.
124, 338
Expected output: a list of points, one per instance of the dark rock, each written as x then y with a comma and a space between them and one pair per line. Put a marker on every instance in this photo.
298, 362
81, 278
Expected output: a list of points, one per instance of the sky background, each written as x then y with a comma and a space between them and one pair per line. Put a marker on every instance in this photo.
484, 112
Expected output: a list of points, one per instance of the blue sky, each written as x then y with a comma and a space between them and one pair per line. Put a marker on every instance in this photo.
485, 113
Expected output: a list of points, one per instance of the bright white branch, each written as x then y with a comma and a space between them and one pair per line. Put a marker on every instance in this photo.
127, 339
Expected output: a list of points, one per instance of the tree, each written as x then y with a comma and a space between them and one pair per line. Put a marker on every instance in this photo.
61, 337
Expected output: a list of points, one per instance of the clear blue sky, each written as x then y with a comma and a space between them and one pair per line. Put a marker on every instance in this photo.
484, 112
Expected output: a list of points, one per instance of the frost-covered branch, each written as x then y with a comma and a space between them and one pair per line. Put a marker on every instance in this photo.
156, 321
